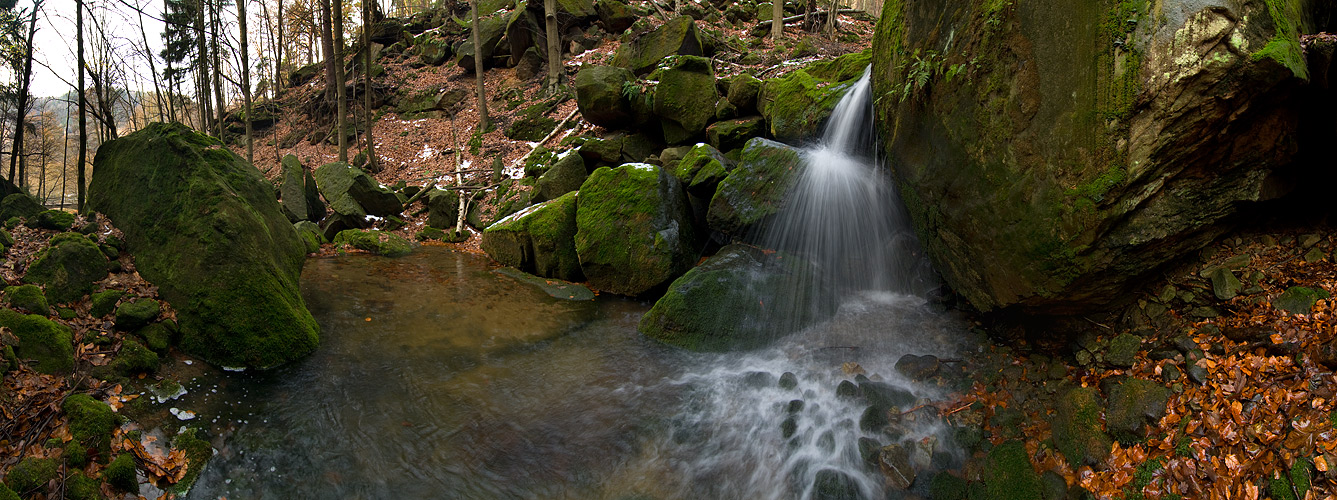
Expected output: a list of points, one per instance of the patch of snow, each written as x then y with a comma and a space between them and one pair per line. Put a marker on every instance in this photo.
234, 368
373, 218
427, 152
163, 398
642, 166
181, 414
527, 210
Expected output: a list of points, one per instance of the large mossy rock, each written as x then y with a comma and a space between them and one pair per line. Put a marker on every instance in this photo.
615, 15
19, 205
69, 268
443, 208
382, 243
740, 298
299, 193
756, 188
565, 176
1061, 151
489, 37
599, 95
49, 344
702, 169
1077, 431
796, 105
685, 97
353, 193
205, 228
540, 239
644, 52
633, 229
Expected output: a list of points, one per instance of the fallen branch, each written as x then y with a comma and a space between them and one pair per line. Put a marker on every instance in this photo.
420, 194
549, 136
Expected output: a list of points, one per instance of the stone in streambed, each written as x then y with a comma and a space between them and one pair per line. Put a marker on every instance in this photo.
539, 239
634, 229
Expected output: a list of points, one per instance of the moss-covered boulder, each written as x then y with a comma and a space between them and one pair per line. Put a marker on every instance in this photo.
310, 235
1299, 299
743, 91
136, 314
615, 15
198, 452
27, 298
600, 96
48, 343
702, 169
134, 358
353, 193
643, 52
443, 208
489, 37
79, 487
157, 337
378, 242
539, 239
685, 97
755, 189
565, 176
205, 227
104, 302
740, 298
299, 192
68, 268
1077, 430
30, 474
120, 473
728, 135
1133, 403
19, 205
1008, 474
91, 422
633, 229
1060, 152
797, 105
57, 220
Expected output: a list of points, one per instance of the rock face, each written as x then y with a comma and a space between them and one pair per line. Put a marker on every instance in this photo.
68, 268
205, 228
540, 239
633, 229
1059, 151
644, 52
755, 189
738, 299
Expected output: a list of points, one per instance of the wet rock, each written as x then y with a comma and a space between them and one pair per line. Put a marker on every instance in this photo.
1170, 372
382, 243
758, 380
885, 395
1197, 374
1132, 404
894, 461
1299, 299
788, 381
755, 189
310, 235
873, 419
847, 390
1076, 428
728, 135
794, 406
1224, 284
918, 368
555, 288
634, 229
1123, 350
831, 484
702, 169
869, 450
788, 427
539, 239
69, 268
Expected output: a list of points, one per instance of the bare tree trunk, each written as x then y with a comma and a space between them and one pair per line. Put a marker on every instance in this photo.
372, 164
341, 94
554, 45
202, 69
21, 111
327, 49
777, 20
153, 69
221, 103
483, 121
279, 77
83, 117
65, 160
245, 79
831, 15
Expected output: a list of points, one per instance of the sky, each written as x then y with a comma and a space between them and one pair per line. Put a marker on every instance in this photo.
56, 36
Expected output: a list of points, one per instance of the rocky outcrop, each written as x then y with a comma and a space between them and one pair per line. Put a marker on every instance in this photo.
565, 176
1058, 153
353, 193
539, 239
634, 229
643, 52
204, 227
298, 192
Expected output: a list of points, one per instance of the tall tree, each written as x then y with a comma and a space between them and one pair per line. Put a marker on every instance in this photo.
483, 121
327, 49
153, 68
83, 116
777, 20
367, 23
21, 111
245, 79
179, 48
341, 97
219, 103
202, 68
554, 44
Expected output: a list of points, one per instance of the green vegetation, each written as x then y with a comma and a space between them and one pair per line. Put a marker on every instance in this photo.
1284, 47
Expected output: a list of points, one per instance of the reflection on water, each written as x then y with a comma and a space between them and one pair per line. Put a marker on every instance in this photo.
438, 379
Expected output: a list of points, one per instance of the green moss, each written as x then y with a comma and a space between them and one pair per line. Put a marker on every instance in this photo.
40, 339
430, 233
1284, 47
58, 220
796, 105
1143, 475
8, 494
136, 314
198, 452
81, 487
842, 68
28, 298
1008, 474
104, 302
540, 239
377, 242
1291, 484
134, 359
30, 474
120, 473
69, 268
76, 454
755, 189
157, 337
620, 212
945, 486
91, 421
1077, 430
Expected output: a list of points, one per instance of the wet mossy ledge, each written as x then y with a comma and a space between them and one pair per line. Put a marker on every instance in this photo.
205, 227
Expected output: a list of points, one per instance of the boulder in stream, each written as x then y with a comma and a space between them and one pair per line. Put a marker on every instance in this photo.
540, 239
204, 227
756, 188
633, 229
